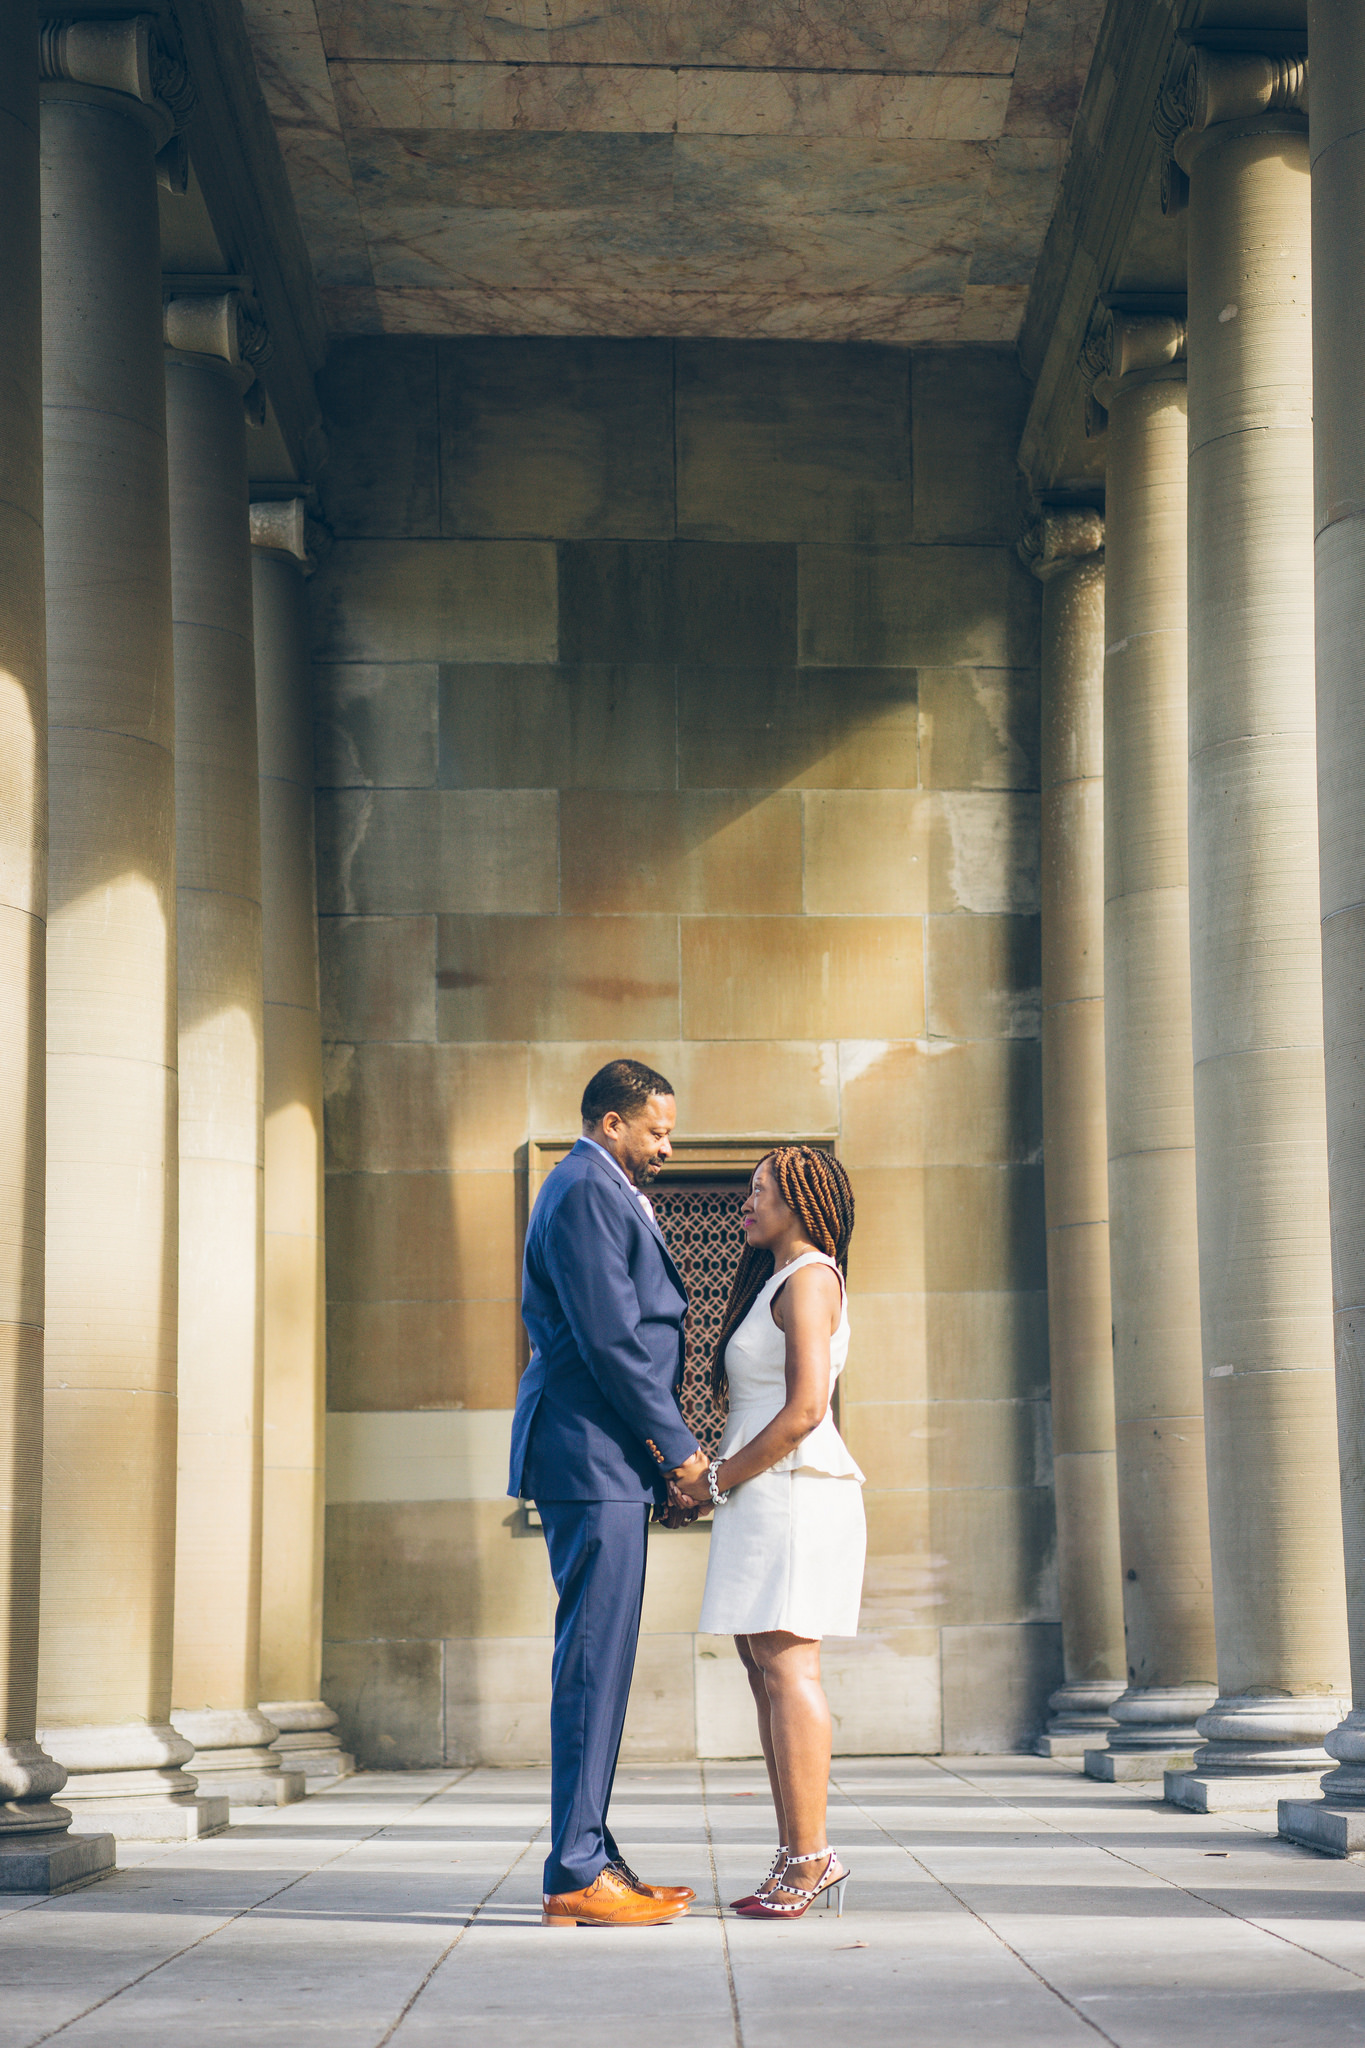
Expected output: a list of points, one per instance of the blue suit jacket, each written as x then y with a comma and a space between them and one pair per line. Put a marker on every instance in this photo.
604, 1305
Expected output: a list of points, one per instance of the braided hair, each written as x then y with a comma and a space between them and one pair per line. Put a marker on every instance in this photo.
816, 1189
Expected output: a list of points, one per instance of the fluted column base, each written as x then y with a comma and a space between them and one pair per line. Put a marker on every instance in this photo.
1154, 1732
1077, 1717
1335, 1823
308, 1740
38, 1851
127, 1779
1257, 1750
233, 1756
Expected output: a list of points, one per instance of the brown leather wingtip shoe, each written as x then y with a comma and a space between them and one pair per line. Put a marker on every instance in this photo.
609, 1902
671, 1894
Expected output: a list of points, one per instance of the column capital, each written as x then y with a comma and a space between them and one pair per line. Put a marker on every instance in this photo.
136, 57
1121, 344
1124, 347
1205, 88
218, 324
1060, 537
279, 526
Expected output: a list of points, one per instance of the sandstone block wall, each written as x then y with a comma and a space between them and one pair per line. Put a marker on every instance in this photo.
679, 699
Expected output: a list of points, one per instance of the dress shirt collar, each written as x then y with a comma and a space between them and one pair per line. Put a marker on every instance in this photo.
616, 1168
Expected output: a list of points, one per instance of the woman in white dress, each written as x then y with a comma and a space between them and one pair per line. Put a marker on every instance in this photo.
789, 1541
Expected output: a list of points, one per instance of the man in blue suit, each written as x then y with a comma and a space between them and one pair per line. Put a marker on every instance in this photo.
596, 1433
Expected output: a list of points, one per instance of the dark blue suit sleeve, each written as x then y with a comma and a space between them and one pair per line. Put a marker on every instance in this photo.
584, 1250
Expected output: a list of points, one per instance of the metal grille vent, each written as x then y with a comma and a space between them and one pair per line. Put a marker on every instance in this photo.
700, 1226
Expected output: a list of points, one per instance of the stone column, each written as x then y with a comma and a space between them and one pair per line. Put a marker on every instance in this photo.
1336, 34
108, 1555
1255, 946
1065, 549
216, 1685
37, 1854
295, 1353
1149, 1065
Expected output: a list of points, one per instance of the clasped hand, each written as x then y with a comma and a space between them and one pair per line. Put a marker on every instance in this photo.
688, 1486
684, 1501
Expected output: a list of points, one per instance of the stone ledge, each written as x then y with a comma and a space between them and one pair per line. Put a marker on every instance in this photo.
48, 1864
1063, 1745
170, 1820
1236, 1794
1315, 1824
250, 1788
315, 1763
1136, 1766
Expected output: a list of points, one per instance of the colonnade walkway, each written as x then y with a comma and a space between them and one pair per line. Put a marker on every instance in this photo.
998, 1900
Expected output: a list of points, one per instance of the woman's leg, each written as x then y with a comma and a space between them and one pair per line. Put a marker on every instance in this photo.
759, 1689
799, 1724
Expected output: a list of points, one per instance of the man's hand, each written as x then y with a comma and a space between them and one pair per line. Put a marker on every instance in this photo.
677, 1514
694, 1493
688, 1490
688, 1485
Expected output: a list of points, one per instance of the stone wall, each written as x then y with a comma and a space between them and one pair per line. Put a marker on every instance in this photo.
679, 700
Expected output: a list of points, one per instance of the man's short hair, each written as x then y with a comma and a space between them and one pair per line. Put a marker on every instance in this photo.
624, 1086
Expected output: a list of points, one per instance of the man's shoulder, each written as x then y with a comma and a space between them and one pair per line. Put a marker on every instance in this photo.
576, 1169
579, 1185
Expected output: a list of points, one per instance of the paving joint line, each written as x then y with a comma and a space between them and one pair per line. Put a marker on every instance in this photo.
1186, 1891
460, 1934
981, 1921
31, 1904
720, 1917
232, 1918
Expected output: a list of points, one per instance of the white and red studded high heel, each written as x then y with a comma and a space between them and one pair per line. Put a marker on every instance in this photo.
775, 1870
829, 1887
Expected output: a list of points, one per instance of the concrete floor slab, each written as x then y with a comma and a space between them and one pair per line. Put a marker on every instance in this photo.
1007, 1899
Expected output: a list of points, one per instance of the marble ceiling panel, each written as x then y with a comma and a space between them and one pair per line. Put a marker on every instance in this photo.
770, 252
292, 68
473, 98
728, 315
1019, 201
877, 104
605, 99
1054, 58
928, 35
838, 169
991, 312
736, 174
710, 212
445, 173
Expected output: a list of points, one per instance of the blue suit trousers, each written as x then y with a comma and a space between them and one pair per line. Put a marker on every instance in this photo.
597, 1561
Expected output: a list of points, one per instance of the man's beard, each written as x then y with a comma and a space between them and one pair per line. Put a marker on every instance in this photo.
650, 1170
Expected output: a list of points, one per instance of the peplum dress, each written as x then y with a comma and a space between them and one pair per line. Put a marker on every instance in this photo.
787, 1547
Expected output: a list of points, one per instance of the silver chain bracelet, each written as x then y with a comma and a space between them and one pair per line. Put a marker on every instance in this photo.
717, 1497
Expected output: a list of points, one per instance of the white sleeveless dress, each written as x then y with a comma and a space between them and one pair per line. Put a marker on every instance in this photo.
788, 1547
